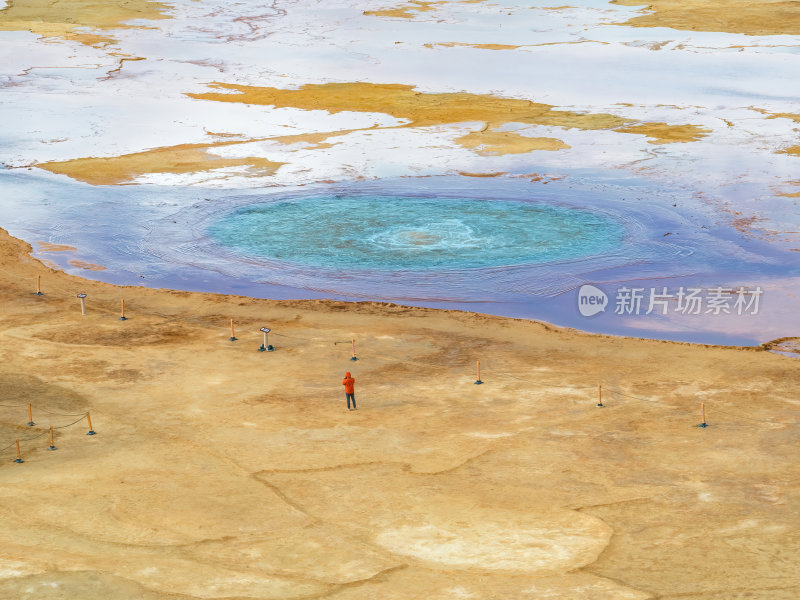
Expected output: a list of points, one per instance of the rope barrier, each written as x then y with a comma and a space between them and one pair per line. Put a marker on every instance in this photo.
70, 424
488, 367
716, 410
640, 398
49, 432
44, 410
621, 393
28, 439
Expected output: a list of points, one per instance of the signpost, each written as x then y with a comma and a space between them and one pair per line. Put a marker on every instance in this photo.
266, 345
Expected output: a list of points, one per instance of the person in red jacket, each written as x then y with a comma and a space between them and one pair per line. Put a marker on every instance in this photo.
349, 384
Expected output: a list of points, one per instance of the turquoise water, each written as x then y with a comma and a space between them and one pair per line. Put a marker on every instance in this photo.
501, 246
391, 232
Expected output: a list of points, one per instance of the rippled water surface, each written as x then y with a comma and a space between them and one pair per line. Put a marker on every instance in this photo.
507, 246
391, 232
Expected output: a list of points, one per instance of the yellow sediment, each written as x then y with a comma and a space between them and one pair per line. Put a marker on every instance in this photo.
406, 11
794, 117
315, 140
662, 133
420, 109
536, 177
505, 46
791, 194
410, 9
185, 158
432, 109
771, 115
50, 247
65, 18
794, 150
489, 143
403, 102
770, 17
49, 264
468, 174
85, 265
480, 46
239, 136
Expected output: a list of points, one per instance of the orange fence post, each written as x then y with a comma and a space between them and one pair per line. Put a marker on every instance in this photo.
703, 414
353, 342
52, 445
91, 430
600, 396
39, 285
19, 458
30, 416
478, 369
122, 316
233, 335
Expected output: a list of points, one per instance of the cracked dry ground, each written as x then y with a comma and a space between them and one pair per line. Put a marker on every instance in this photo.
222, 472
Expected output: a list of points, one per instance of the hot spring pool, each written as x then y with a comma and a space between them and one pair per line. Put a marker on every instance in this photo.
502, 246
390, 232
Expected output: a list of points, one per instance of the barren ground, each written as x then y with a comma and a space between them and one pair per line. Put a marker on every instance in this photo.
222, 472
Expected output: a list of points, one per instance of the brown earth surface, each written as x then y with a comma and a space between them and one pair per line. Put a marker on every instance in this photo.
766, 17
791, 150
219, 471
86, 21
488, 143
421, 109
184, 158
411, 9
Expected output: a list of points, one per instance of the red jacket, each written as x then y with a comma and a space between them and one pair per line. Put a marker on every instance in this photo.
349, 384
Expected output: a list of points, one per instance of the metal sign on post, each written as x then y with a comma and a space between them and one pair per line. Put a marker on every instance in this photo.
83, 303
266, 345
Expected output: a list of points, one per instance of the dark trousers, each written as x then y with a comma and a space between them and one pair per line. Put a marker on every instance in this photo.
351, 397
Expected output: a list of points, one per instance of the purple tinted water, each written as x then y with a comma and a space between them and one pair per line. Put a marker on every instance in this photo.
163, 237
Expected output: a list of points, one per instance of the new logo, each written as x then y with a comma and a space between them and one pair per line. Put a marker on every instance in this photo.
591, 300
